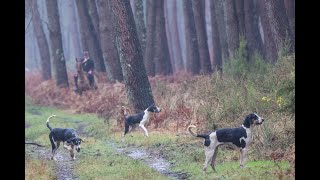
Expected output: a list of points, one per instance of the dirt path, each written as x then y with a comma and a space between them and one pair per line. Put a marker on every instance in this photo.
153, 160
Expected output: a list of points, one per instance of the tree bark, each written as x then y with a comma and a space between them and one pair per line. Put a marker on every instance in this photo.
253, 36
108, 42
239, 6
42, 43
93, 13
135, 78
89, 38
221, 20
57, 56
290, 10
279, 24
217, 53
175, 38
193, 58
269, 43
232, 27
139, 19
149, 53
161, 57
198, 11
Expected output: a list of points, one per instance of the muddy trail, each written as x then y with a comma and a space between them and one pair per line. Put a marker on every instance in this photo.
64, 164
150, 158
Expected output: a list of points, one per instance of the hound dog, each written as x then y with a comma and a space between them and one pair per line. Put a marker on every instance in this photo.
65, 135
141, 118
239, 138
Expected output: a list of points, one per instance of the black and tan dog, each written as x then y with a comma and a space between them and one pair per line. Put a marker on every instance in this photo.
239, 138
63, 135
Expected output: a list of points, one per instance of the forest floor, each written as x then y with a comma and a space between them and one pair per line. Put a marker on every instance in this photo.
162, 155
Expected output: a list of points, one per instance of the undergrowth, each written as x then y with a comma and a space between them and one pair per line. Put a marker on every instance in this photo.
209, 102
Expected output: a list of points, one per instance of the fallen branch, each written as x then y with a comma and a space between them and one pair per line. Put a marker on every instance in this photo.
34, 144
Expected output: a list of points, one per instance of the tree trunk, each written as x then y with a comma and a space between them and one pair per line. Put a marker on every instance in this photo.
217, 54
93, 13
253, 37
279, 24
269, 43
108, 42
139, 20
89, 38
239, 7
232, 27
74, 30
168, 24
221, 20
42, 43
149, 53
161, 57
135, 78
193, 58
57, 56
290, 10
176, 39
198, 11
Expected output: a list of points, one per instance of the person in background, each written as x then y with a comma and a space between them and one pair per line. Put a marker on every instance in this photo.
88, 67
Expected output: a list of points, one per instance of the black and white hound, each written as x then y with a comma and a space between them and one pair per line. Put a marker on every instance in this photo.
141, 118
239, 138
65, 135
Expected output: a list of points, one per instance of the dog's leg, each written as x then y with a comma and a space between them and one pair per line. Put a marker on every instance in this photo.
126, 130
213, 161
144, 129
72, 152
243, 157
209, 151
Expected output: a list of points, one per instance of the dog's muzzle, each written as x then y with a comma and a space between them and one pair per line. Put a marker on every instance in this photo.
78, 149
259, 122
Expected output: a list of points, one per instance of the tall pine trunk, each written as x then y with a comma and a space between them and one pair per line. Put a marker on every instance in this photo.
150, 41
192, 50
198, 11
57, 56
135, 78
42, 43
175, 38
279, 24
161, 57
108, 42
217, 53
139, 20
232, 27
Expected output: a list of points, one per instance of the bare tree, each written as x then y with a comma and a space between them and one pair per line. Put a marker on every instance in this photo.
149, 53
108, 42
232, 27
42, 43
135, 78
161, 57
217, 54
239, 7
198, 11
74, 30
89, 37
279, 24
139, 20
193, 62
57, 56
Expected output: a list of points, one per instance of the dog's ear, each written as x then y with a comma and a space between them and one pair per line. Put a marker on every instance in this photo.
70, 140
81, 140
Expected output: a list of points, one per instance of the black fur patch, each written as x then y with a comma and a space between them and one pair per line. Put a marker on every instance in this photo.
207, 142
232, 135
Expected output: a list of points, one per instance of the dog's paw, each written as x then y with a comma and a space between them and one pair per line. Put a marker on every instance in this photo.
242, 166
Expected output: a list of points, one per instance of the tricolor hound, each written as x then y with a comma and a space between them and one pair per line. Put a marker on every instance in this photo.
239, 138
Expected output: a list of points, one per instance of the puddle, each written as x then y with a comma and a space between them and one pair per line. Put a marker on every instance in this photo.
156, 162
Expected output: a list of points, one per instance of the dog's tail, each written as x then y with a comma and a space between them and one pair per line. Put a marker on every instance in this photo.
205, 136
48, 122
